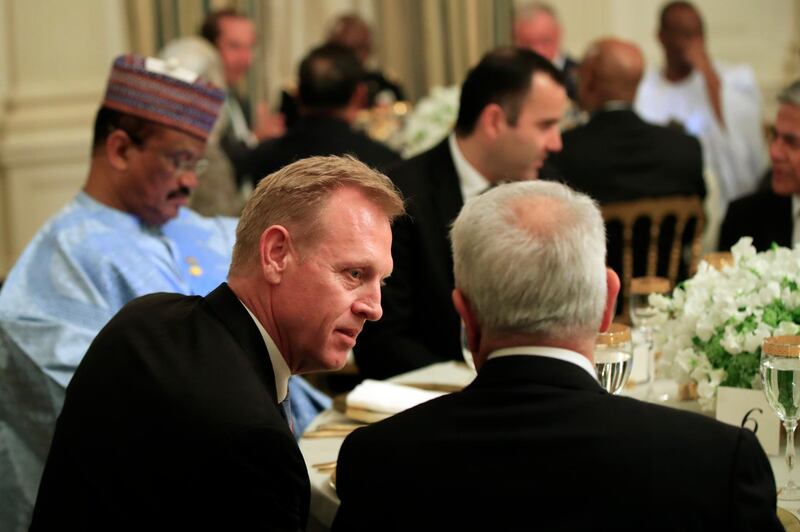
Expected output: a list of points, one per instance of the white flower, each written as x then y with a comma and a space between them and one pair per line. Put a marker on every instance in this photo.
728, 306
431, 120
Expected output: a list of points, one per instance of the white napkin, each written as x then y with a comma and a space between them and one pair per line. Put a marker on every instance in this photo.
386, 397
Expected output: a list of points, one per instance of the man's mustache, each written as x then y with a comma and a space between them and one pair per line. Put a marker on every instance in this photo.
180, 192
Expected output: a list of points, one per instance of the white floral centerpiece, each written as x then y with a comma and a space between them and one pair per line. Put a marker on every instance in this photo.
713, 324
431, 120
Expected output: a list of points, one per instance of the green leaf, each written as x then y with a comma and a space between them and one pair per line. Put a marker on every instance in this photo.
791, 284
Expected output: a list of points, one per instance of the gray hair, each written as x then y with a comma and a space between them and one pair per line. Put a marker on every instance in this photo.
530, 257
791, 94
531, 9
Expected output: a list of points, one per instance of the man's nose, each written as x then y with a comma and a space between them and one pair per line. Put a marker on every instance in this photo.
554, 142
188, 179
369, 305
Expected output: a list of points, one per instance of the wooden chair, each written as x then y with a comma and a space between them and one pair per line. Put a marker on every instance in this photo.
674, 211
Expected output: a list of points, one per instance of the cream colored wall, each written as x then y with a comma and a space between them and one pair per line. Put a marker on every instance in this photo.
54, 66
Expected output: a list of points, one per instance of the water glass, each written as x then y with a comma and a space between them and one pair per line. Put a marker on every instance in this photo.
780, 374
643, 317
613, 357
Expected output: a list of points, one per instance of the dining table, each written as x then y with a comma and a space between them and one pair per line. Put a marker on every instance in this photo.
323, 437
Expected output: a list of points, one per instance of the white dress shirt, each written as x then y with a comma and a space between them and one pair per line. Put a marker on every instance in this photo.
565, 355
470, 181
795, 219
279, 366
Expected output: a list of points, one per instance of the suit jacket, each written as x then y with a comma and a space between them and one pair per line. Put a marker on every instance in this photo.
570, 72
318, 135
171, 422
763, 215
419, 324
535, 444
617, 156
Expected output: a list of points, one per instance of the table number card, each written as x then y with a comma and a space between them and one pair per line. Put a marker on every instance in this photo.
749, 409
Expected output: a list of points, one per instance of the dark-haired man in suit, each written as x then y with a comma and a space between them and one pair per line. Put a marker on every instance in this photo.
771, 214
511, 103
534, 442
331, 93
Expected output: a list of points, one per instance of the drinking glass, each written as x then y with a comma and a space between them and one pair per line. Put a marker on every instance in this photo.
780, 374
643, 316
613, 357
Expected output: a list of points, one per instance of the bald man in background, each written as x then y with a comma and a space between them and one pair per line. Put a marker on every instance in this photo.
617, 156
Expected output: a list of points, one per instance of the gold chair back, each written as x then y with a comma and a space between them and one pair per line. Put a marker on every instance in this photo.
681, 209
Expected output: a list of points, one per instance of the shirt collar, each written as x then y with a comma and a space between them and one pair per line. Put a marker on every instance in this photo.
616, 105
279, 366
560, 60
470, 181
550, 352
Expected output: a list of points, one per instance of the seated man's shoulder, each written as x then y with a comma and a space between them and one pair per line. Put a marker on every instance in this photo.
667, 422
415, 174
760, 199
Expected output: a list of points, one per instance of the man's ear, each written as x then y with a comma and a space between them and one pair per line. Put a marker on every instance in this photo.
117, 145
275, 248
492, 120
613, 284
359, 98
468, 318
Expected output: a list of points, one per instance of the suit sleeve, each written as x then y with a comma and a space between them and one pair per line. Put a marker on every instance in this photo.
753, 504
361, 499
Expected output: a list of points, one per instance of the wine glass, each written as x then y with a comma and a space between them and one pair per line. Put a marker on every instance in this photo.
643, 316
613, 357
780, 374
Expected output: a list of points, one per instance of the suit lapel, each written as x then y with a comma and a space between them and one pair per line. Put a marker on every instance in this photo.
446, 188
227, 308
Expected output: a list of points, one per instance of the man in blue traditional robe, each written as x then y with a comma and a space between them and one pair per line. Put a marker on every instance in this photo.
126, 234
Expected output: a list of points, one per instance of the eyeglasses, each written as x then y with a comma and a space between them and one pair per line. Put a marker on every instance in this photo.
181, 161
790, 140
181, 165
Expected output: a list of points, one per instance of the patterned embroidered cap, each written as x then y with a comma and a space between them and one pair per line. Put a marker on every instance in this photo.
164, 93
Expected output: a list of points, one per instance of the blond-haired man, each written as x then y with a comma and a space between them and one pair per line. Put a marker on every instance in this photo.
174, 415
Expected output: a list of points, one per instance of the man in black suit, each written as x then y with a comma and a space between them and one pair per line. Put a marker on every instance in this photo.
331, 94
507, 123
770, 214
617, 156
173, 418
534, 442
